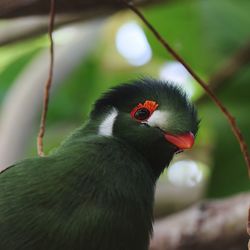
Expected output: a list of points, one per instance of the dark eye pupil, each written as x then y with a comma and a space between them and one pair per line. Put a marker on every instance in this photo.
142, 114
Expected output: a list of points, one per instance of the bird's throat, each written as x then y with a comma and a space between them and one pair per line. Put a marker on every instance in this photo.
157, 155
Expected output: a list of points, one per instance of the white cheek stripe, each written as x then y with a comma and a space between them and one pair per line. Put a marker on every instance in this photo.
106, 127
158, 119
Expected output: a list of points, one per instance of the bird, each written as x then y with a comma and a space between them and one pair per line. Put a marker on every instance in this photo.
96, 190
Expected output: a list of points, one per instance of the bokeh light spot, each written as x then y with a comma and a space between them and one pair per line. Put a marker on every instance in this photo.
133, 45
185, 173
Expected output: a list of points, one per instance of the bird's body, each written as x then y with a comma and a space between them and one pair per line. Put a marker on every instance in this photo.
96, 191
68, 206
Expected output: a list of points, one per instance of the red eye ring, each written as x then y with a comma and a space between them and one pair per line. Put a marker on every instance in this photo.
149, 106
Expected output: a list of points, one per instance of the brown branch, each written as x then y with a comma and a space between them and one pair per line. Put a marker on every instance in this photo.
67, 12
48, 83
215, 224
18, 8
230, 118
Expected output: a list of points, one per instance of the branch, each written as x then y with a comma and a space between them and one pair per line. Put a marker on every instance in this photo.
67, 12
48, 84
228, 70
229, 117
18, 8
216, 224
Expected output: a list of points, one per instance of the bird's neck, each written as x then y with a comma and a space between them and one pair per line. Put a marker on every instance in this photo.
157, 153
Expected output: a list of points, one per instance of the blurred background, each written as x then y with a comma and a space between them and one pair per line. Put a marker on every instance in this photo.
96, 52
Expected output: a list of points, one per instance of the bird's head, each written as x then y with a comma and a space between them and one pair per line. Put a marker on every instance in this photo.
153, 117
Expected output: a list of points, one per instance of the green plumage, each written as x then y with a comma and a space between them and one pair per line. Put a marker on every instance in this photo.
95, 192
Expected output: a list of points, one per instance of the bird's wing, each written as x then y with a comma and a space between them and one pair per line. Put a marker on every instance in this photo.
49, 202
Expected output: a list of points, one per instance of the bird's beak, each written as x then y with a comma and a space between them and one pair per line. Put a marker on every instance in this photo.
184, 141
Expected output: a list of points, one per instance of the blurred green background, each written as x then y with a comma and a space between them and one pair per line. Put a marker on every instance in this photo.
206, 33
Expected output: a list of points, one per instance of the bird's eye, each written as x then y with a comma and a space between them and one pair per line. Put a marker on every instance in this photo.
142, 114
143, 111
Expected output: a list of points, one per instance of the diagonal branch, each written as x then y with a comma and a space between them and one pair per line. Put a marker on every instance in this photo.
229, 117
213, 224
48, 84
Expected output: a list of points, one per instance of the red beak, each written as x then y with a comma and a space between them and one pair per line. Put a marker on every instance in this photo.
184, 141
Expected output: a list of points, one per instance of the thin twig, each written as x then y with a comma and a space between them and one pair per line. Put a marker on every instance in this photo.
227, 114
48, 83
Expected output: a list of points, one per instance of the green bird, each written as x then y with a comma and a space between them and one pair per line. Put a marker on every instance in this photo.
96, 191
